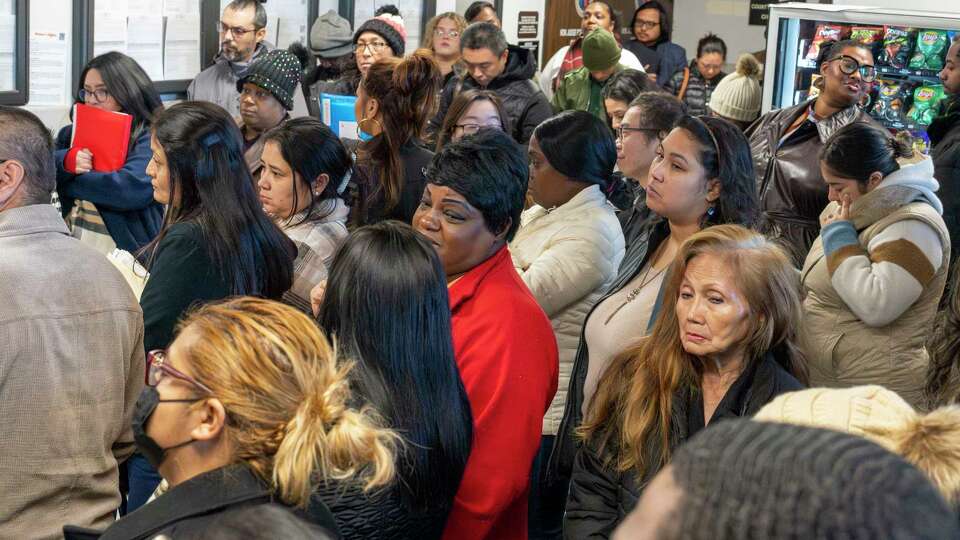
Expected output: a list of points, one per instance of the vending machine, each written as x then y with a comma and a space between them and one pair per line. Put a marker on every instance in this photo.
908, 47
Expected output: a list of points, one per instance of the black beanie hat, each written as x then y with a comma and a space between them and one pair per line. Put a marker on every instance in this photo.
386, 26
743, 478
277, 72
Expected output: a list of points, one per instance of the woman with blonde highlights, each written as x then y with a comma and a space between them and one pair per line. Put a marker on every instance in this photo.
722, 347
442, 37
247, 407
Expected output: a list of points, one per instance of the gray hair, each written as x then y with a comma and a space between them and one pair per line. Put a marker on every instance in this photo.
259, 20
484, 35
24, 138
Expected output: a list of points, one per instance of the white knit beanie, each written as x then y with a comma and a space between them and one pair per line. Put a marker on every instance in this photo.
738, 95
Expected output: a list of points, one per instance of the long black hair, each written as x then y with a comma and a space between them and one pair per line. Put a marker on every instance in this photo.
129, 85
725, 155
310, 149
386, 302
597, 154
210, 186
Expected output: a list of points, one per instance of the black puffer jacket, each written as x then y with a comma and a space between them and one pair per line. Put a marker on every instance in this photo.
792, 191
524, 102
600, 497
381, 515
698, 91
944, 135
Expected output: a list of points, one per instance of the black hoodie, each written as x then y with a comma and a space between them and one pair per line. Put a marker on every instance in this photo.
524, 103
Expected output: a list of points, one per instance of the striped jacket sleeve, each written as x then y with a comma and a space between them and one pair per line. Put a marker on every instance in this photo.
880, 281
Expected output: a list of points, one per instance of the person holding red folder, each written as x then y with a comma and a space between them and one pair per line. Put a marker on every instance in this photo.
113, 209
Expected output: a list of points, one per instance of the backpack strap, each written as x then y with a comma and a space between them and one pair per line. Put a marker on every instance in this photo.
686, 81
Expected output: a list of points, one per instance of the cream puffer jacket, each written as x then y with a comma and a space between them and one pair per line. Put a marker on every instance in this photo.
568, 256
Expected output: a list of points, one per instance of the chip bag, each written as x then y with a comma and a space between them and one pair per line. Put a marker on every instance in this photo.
869, 36
825, 32
931, 47
896, 47
891, 99
920, 141
926, 101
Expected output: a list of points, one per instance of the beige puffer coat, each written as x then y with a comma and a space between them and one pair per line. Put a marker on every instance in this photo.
568, 256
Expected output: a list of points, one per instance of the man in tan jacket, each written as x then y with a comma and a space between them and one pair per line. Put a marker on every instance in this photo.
71, 353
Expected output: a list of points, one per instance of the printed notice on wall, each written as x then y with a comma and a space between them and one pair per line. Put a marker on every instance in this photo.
528, 24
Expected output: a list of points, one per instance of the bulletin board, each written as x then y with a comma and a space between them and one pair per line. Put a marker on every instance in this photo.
14, 52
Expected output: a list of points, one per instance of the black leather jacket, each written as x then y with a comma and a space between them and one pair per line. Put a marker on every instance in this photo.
792, 191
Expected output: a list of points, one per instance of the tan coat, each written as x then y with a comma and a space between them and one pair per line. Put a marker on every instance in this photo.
841, 350
71, 369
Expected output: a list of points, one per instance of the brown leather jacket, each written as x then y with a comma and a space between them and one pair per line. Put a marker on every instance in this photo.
792, 191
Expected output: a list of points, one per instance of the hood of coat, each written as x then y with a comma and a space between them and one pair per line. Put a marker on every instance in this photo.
914, 182
240, 68
521, 66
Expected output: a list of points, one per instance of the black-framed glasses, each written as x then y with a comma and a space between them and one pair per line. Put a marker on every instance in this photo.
100, 94
374, 46
623, 130
849, 65
236, 31
646, 25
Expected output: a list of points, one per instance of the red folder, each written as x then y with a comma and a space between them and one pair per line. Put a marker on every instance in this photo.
106, 134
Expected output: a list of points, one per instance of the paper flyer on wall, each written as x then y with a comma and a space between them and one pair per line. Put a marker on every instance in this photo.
181, 54
145, 43
49, 68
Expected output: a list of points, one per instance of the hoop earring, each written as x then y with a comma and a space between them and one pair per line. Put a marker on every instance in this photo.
365, 119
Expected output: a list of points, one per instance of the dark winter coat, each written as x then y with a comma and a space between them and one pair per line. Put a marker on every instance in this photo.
525, 104
124, 198
791, 189
600, 497
642, 240
193, 506
698, 90
944, 135
381, 515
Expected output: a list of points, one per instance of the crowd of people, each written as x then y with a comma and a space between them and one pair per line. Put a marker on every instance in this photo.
584, 304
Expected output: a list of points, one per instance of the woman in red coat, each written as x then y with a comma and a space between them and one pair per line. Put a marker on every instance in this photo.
503, 342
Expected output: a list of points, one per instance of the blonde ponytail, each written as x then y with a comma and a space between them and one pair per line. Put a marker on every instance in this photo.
286, 397
333, 440
931, 442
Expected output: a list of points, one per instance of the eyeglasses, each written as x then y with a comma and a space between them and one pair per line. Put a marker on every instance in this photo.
623, 130
646, 25
374, 46
157, 369
236, 31
443, 33
100, 94
473, 129
850, 65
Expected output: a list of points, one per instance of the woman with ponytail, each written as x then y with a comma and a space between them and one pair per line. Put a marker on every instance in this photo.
394, 101
874, 276
930, 441
247, 407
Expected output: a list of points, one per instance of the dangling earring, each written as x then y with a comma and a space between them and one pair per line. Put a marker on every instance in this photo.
365, 119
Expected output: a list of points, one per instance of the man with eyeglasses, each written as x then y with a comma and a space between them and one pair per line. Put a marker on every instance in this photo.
651, 30
71, 353
786, 146
242, 28
505, 70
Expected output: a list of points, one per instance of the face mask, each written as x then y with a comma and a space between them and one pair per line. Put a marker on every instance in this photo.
146, 404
